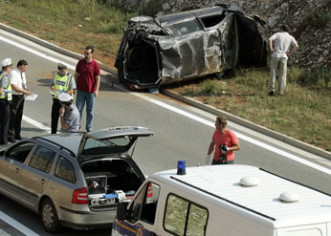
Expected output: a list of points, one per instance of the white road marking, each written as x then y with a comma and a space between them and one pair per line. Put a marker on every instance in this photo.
11, 221
42, 55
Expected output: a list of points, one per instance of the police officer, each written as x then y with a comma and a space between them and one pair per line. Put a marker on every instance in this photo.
63, 82
69, 114
5, 99
17, 79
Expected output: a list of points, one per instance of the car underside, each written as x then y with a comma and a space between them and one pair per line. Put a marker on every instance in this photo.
188, 45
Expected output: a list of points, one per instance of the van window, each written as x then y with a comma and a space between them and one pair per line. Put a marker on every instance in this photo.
145, 204
42, 159
183, 217
65, 170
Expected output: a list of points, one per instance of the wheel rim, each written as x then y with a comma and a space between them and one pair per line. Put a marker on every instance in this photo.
48, 216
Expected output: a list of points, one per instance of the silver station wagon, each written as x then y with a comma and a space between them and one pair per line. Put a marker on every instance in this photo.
73, 180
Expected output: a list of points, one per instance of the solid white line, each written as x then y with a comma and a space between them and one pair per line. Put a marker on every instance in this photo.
36, 124
11, 221
42, 55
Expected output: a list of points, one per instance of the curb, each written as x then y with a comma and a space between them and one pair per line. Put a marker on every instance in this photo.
284, 138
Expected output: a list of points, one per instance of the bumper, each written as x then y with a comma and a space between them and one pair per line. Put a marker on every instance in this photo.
87, 219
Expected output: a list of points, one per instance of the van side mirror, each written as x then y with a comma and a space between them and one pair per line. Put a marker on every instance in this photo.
121, 210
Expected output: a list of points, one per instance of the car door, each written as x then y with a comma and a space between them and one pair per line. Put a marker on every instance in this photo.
35, 174
11, 165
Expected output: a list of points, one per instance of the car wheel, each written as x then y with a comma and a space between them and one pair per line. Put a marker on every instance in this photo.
48, 216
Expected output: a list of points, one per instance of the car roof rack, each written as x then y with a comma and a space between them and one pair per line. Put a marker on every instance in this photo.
57, 145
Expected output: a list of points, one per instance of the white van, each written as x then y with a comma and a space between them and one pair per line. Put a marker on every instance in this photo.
224, 200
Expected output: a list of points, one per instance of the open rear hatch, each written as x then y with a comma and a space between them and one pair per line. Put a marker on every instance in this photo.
109, 170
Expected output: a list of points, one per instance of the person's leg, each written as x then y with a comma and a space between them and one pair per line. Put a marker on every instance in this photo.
2, 118
90, 101
80, 102
55, 114
282, 75
273, 72
5, 123
13, 113
19, 117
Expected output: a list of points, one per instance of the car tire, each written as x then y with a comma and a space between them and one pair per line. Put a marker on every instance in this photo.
48, 216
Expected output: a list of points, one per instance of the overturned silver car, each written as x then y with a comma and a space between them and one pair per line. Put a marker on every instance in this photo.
188, 45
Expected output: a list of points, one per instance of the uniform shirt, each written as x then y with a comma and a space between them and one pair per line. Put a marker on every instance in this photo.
281, 44
229, 139
4, 81
72, 82
71, 117
19, 79
87, 75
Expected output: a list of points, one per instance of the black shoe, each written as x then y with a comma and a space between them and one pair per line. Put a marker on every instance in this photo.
12, 140
18, 138
271, 93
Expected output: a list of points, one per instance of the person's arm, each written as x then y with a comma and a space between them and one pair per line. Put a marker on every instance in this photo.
271, 47
20, 90
294, 49
97, 85
64, 126
76, 75
211, 147
235, 147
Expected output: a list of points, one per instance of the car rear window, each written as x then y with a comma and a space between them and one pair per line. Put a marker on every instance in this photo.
108, 146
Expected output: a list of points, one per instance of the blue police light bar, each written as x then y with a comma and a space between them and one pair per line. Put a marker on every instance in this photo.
181, 168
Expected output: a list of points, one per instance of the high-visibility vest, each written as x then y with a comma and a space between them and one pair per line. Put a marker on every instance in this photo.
7, 95
62, 83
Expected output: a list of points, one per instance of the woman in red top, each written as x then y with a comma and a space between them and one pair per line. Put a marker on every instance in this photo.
225, 142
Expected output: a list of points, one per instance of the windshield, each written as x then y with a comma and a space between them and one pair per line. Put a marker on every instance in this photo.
108, 145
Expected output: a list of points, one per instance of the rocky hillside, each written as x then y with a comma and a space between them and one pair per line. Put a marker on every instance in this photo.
305, 18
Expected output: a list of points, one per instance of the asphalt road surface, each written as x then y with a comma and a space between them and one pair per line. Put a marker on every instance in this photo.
181, 132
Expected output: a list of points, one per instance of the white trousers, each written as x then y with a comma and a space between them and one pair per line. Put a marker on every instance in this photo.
275, 64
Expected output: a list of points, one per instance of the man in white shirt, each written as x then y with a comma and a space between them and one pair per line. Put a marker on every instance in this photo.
17, 79
279, 45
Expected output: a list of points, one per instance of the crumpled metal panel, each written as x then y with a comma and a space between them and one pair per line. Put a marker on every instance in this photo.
181, 47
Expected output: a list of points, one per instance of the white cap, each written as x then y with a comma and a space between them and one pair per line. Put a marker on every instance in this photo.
6, 62
64, 97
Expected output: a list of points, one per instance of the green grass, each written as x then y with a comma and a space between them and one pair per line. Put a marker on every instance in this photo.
303, 112
69, 23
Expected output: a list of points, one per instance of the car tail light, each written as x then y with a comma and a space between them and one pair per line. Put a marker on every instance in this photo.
79, 196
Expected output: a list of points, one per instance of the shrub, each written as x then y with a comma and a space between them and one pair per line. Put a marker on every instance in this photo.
321, 18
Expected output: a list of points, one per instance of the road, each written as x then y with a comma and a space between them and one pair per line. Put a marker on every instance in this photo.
181, 132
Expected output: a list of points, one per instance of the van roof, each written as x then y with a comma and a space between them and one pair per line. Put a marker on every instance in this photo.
222, 182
